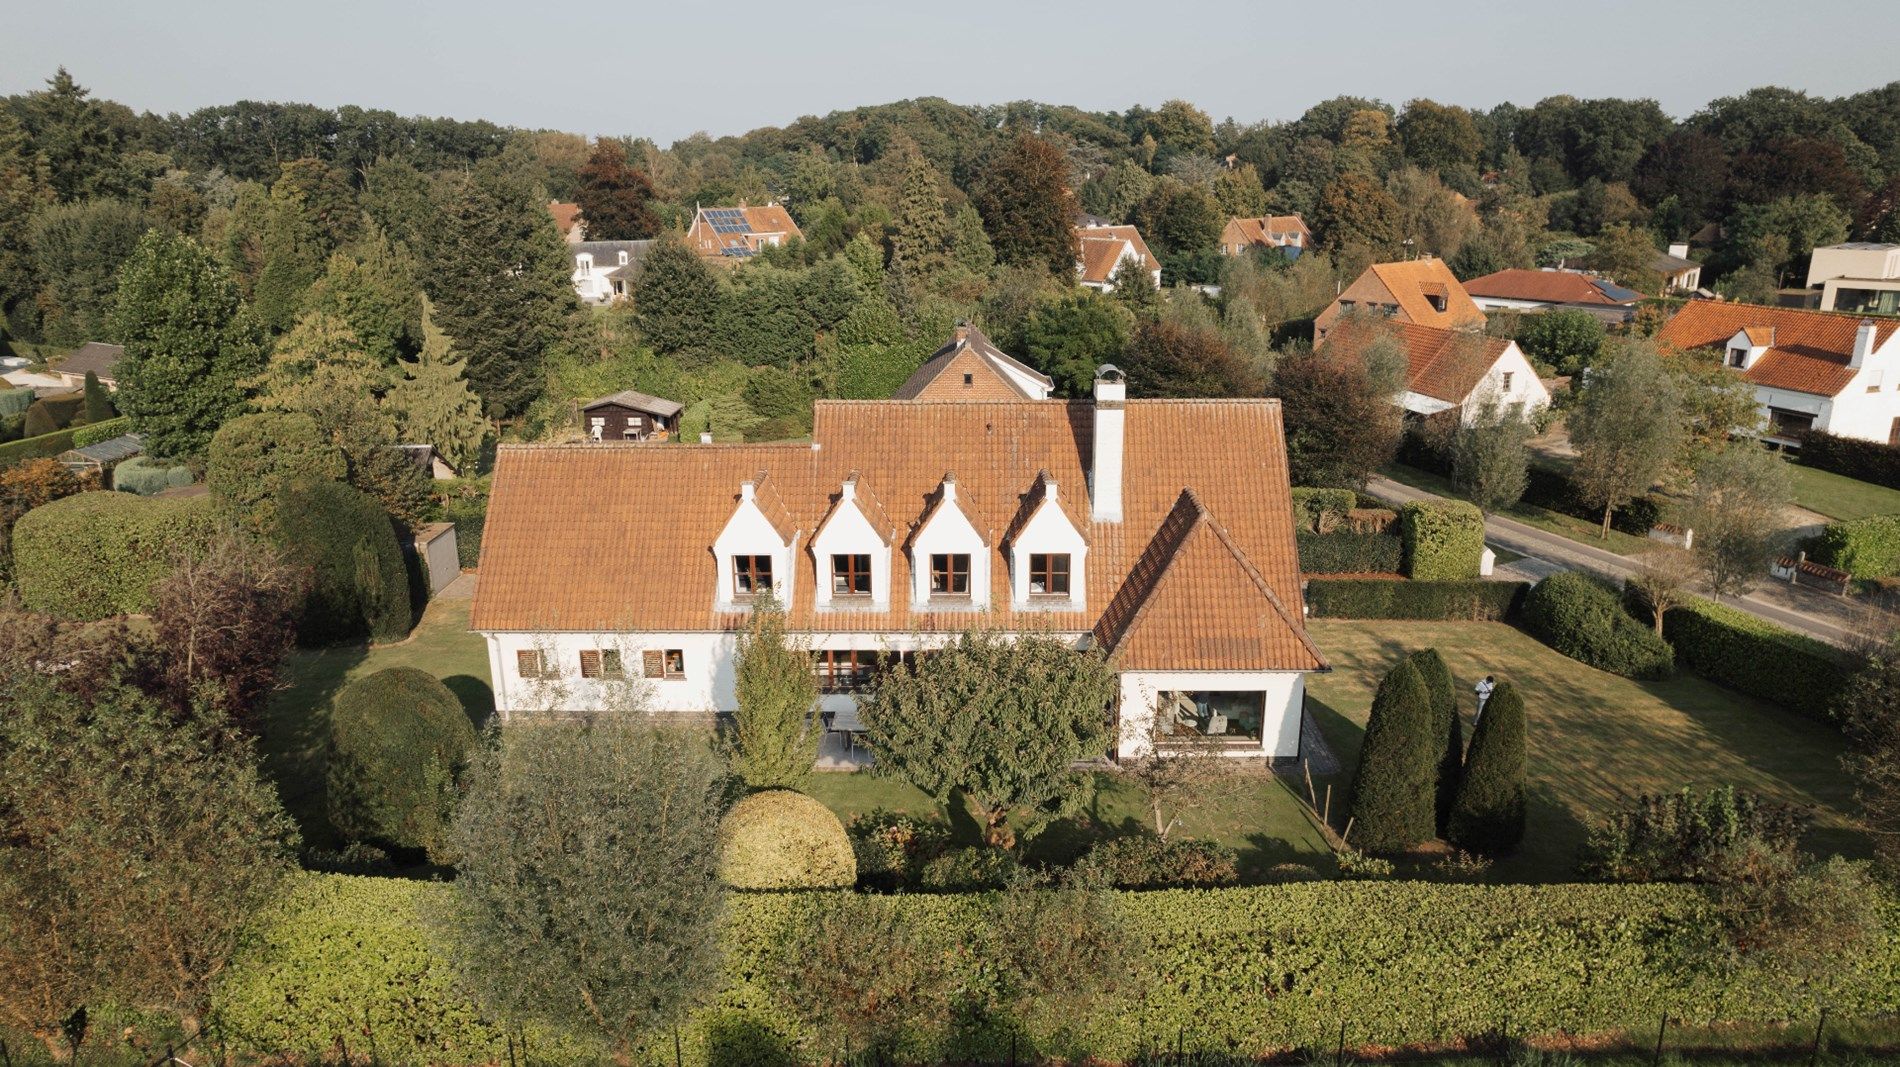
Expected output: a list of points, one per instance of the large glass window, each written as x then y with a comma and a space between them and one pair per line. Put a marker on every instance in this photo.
851, 575
1867, 301
949, 574
844, 670
1049, 574
1191, 715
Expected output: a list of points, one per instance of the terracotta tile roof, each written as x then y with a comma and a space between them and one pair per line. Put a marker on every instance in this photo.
1408, 281
1544, 287
1762, 336
936, 501
1445, 364
766, 495
1255, 231
566, 215
970, 352
1032, 502
1102, 248
619, 536
1192, 602
739, 229
772, 218
867, 505
1810, 352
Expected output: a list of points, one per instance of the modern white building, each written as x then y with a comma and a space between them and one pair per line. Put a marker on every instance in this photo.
1812, 370
1159, 531
1858, 277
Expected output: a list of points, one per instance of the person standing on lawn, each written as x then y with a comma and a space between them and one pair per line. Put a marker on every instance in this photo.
1484, 690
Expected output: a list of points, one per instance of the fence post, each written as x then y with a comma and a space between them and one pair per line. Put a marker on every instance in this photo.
1814, 1054
1662, 1027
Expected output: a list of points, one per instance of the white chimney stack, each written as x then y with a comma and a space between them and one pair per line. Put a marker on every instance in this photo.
949, 488
1105, 471
849, 491
1863, 343
746, 490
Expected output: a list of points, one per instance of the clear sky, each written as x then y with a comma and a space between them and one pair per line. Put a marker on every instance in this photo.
667, 70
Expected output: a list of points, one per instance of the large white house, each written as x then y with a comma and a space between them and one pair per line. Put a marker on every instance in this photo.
1812, 370
1446, 370
603, 271
1158, 530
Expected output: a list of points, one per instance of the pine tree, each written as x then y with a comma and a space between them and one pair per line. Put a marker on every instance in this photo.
502, 288
1136, 291
616, 199
970, 247
190, 347
676, 299
921, 233
373, 286
433, 404
98, 404
23, 190
1488, 814
70, 133
775, 732
1392, 792
320, 369
1436, 675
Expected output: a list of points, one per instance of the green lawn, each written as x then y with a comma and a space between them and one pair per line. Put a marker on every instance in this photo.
1840, 497
1260, 820
296, 726
1595, 740
1542, 518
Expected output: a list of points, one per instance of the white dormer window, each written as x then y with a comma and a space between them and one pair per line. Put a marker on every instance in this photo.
853, 553
585, 264
1738, 357
623, 259
949, 555
1048, 558
753, 555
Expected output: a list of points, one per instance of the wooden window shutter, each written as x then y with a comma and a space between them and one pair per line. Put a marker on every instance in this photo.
528, 664
590, 663
653, 663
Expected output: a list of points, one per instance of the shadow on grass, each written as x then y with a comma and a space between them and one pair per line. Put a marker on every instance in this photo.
477, 697
294, 733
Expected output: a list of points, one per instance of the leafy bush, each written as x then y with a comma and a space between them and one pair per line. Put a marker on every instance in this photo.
360, 587
1867, 461
775, 393
1741, 652
968, 869
466, 507
1443, 539
145, 476
1864, 548
38, 447
398, 741
254, 457
93, 433
1689, 836
1584, 620
1393, 598
99, 554
15, 401
874, 372
1319, 510
781, 839
1567, 340
1413, 961
892, 848
1142, 861
1346, 552
1554, 490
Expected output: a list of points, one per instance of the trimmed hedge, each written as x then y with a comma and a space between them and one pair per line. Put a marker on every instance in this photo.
361, 582
142, 476
783, 839
1586, 621
1404, 962
1741, 652
15, 401
398, 740
1443, 539
1391, 598
1144, 861
1323, 509
98, 554
1864, 548
93, 433
52, 444
1867, 461
1554, 490
1346, 552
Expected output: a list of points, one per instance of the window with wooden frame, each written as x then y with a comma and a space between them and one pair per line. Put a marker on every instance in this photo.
528, 663
665, 663
950, 574
851, 575
844, 670
600, 663
751, 575
1049, 574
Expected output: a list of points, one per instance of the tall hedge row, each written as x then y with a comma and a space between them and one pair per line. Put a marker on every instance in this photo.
1555, 490
52, 444
1392, 598
1741, 652
1864, 548
98, 554
1348, 552
1251, 969
1585, 620
1443, 539
1868, 461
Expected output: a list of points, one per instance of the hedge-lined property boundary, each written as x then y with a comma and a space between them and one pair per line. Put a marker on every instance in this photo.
52, 444
1375, 598
1443, 539
1250, 969
1349, 552
1741, 652
1867, 461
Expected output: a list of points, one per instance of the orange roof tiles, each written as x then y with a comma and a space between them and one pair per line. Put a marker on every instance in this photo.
1408, 283
619, 536
1542, 286
1446, 364
1810, 352
970, 354
1101, 250
566, 216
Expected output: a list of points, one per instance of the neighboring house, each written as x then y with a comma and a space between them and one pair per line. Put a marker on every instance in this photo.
969, 367
429, 461
1103, 252
1421, 291
1450, 369
733, 233
603, 270
631, 416
1551, 290
1286, 232
567, 218
1680, 274
1812, 370
1157, 531
94, 356
1858, 277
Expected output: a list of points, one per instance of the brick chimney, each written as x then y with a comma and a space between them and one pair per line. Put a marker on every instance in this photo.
1105, 467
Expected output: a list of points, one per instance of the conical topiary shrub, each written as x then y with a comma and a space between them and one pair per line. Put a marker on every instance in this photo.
1488, 815
1393, 794
1443, 692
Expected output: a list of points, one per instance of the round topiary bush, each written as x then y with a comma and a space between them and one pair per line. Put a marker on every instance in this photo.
398, 740
1579, 617
781, 839
360, 586
99, 554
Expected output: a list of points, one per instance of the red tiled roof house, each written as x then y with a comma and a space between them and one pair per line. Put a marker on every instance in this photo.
1446, 370
1102, 253
1158, 530
736, 233
1423, 292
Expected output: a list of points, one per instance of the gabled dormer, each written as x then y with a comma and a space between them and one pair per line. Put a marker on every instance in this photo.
756, 548
1746, 348
949, 554
1048, 554
851, 552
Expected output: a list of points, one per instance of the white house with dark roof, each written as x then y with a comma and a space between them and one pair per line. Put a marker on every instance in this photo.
1159, 531
604, 270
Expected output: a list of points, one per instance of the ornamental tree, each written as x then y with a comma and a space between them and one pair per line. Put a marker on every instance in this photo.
432, 402
1394, 795
775, 733
1487, 813
999, 721
616, 199
1027, 207
1627, 428
1436, 674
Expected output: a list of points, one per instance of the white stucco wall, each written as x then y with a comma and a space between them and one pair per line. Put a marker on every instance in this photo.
749, 533
1049, 531
848, 532
1525, 390
1855, 411
1280, 718
949, 532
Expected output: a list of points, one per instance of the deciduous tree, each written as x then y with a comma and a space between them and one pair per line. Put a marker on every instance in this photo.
1174, 359
1626, 426
616, 198
1341, 424
1027, 207
224, 620
1736, 504
1490, 456
1068, 338
773, 742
